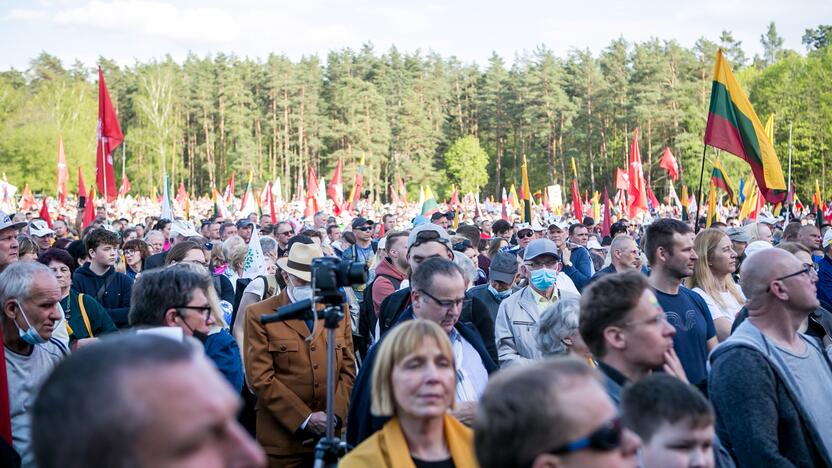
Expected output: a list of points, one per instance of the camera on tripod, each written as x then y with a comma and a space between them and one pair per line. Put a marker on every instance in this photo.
330, 274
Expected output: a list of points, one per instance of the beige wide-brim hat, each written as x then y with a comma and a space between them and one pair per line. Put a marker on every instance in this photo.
299, 261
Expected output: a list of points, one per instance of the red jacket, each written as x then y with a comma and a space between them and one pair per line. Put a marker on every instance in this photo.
382, 287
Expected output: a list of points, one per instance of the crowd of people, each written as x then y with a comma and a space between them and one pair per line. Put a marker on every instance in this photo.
479, 341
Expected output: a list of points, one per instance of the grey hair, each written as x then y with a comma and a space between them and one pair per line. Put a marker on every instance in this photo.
557, 322
268, 244
159, 289
152, 233
16, 280
467, 266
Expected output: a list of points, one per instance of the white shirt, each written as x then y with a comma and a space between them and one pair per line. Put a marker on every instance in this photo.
732, 306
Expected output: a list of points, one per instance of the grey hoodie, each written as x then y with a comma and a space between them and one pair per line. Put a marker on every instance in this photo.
761, 417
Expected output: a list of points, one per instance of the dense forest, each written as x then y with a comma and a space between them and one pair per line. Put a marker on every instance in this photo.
207, 117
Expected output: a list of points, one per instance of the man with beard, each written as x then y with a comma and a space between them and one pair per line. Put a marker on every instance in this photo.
670, 251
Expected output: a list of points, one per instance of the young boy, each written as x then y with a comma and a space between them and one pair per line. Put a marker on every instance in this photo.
674, 421
98, 277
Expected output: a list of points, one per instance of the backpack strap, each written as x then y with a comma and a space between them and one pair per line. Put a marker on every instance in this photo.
84, 314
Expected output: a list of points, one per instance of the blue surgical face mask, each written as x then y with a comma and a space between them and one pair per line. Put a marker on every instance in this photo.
499, 295
544, 278
31, 335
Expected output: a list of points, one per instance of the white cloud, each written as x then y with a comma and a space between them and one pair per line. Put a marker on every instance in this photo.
155, 19
25, 15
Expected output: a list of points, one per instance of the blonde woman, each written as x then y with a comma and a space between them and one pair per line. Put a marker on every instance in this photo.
414, 381
713, 281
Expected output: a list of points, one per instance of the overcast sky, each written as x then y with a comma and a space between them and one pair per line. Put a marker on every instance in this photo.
129, 30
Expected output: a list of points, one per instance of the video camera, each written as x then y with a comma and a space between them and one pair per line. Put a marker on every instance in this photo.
329, 275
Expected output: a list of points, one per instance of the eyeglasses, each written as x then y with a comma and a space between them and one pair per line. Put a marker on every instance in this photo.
445, 304
205, 311
655, 320
364, 228
605, 438
807, 269
524, 234
545, 264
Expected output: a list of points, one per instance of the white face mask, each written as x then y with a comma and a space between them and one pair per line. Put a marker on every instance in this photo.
300, 293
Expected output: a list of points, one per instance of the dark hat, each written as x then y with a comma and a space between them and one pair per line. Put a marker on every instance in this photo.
244, 223
503, 267
360, 221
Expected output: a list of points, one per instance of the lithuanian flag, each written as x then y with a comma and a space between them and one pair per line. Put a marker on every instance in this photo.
733, 126
526, 214
720, 179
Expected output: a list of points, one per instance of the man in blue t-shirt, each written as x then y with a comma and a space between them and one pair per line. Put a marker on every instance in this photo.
670, 251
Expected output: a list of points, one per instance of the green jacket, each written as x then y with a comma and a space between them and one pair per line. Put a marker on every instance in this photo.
99, 321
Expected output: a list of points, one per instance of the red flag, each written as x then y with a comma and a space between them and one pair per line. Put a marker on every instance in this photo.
653, 200
394, 196
455, 198
577, 204
63, 174
607, 224
359, 184
622, 182
312, 188
124, 187
229, 190
181, 194
44, 213
669, 162
402, 189
636, 193
271, 205
27, 200
89, 209
82, 190
336, 188
109, 137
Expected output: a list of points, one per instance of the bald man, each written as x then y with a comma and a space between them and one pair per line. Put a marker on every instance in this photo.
624, 256
770, 384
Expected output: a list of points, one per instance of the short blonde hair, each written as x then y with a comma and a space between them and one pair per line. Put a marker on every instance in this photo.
402, 340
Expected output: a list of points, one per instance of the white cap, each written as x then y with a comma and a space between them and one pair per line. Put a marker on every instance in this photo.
827, 239
182, 228
537, 227
592, 244
39, 228
766, 219
757, 246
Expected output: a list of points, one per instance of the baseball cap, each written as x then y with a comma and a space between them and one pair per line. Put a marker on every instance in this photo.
244, 223
428, 233
182, 228
737, 234
592, 244
827, 239
360, 221
540, 247
503, 267
6, 222
39, 228
766, 219
537, 227
757, 246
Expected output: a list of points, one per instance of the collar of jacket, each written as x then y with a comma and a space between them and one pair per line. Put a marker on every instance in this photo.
393, 445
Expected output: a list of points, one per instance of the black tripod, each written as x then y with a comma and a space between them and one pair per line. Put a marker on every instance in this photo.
330, 448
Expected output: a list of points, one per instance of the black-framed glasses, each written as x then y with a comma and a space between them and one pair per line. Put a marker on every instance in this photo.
807, 269
205, 311
525, 233
605, 438
552, 264
442, 303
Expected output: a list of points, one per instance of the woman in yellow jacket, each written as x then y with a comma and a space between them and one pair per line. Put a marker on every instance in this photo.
414, 381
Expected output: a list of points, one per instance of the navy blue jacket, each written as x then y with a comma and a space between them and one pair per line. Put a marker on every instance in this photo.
115, 298
223, 350
360, 421
580, 272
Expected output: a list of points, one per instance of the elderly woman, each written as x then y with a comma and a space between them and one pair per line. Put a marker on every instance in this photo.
414, 381
85, 318
557, 332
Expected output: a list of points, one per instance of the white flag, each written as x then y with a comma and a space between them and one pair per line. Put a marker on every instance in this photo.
254, 264
167, 212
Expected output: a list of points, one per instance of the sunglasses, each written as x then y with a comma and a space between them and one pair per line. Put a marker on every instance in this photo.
605, 438
524, 234
462, 246
364, 228
285, 233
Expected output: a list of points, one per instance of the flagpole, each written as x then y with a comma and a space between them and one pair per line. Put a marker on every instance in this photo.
789, 184
699, 202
